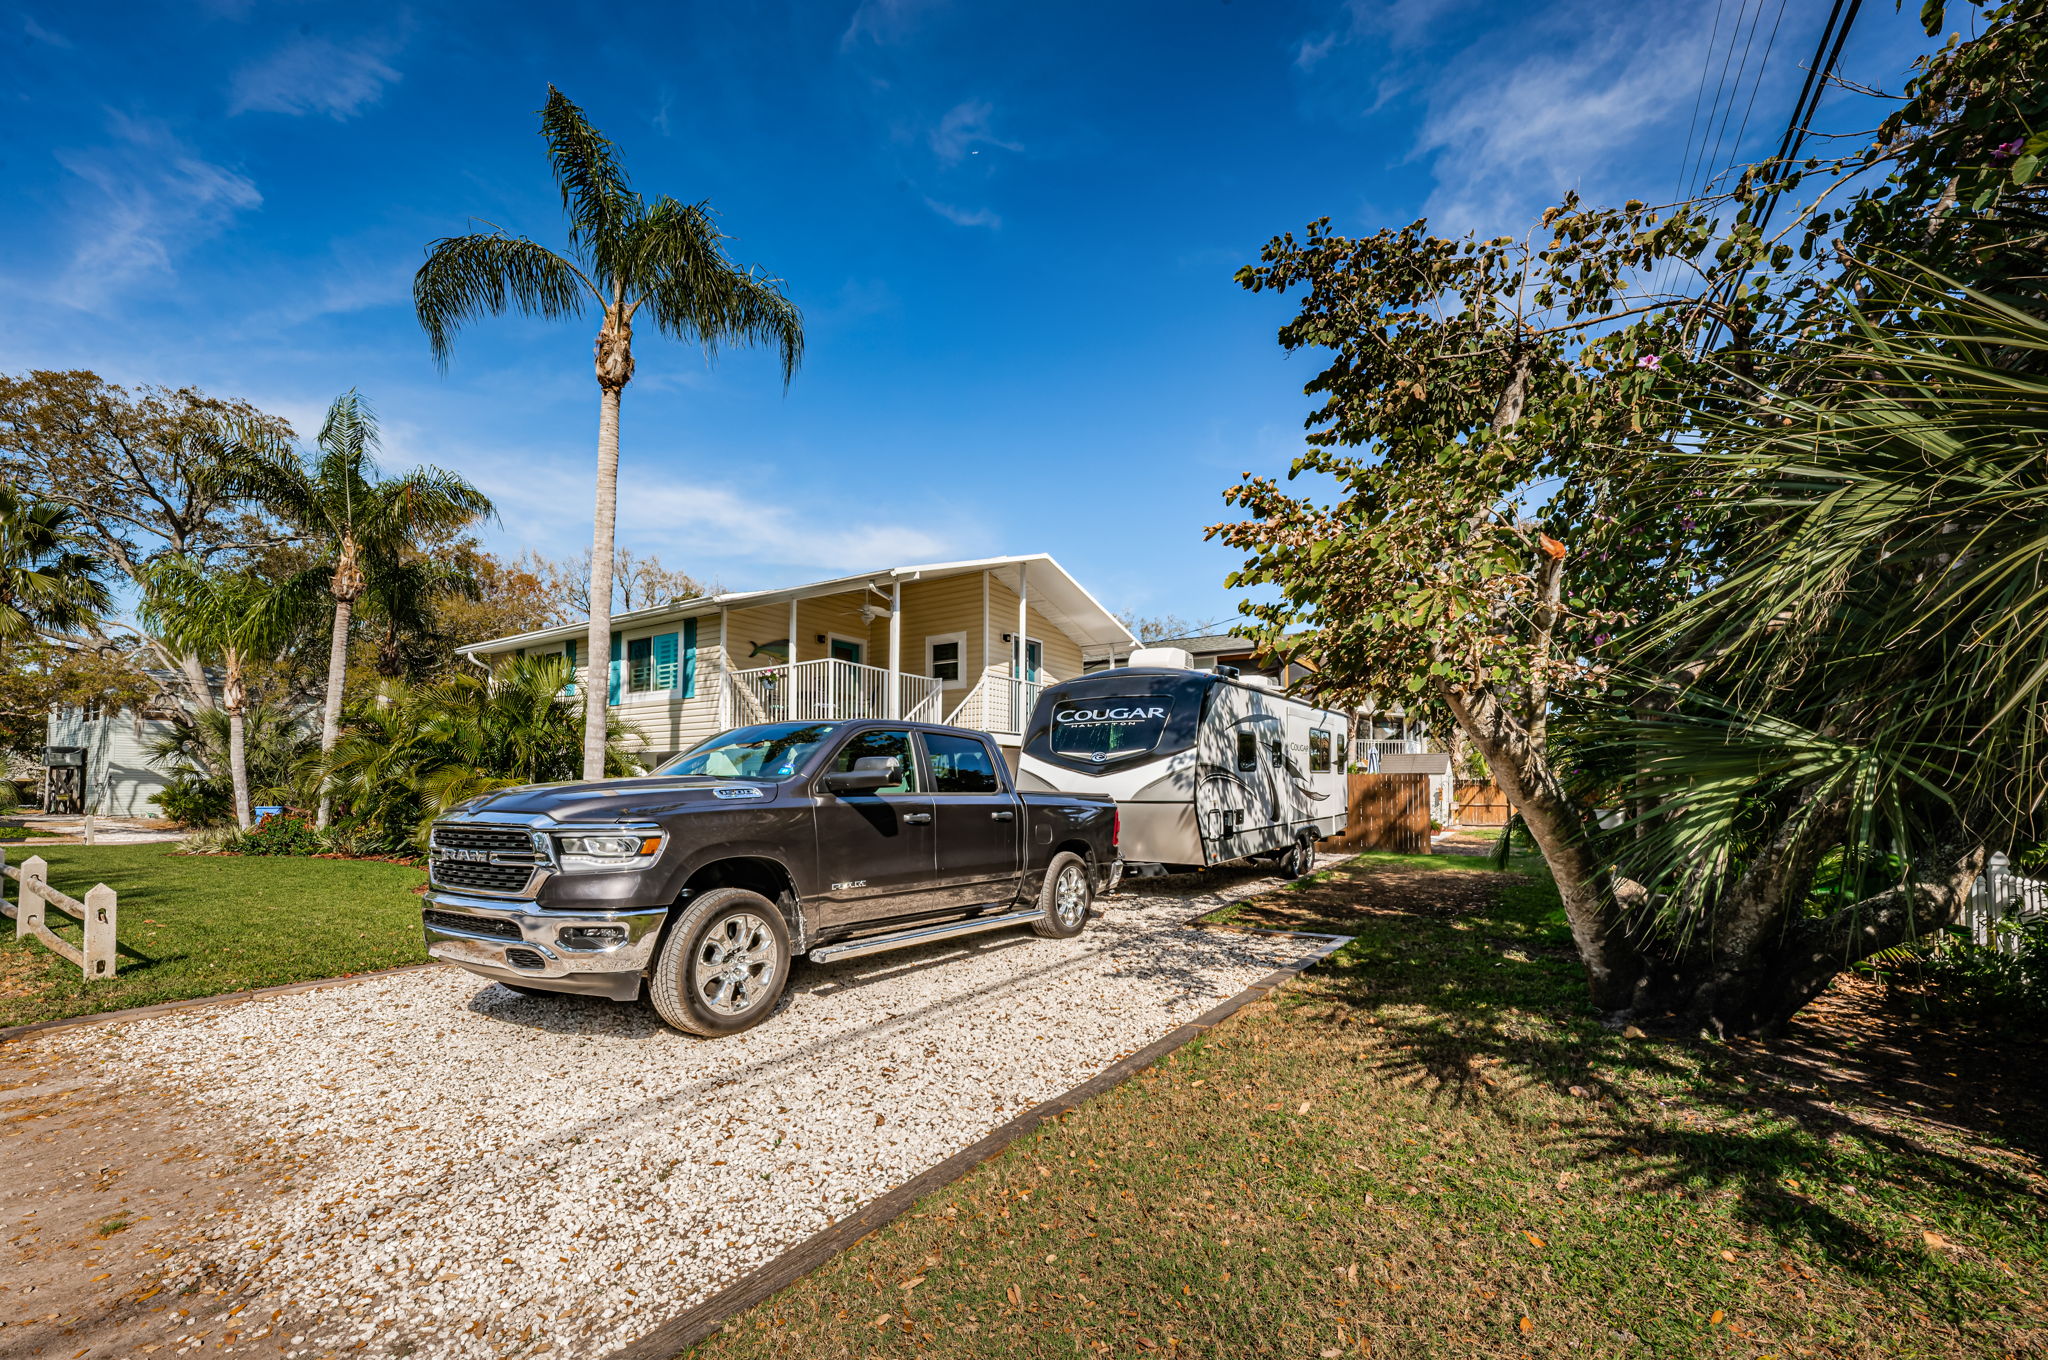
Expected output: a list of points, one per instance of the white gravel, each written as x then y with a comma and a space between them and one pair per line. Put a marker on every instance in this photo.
488, 1171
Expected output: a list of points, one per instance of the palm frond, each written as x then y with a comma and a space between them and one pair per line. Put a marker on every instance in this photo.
487, 273
595, 194
676, 266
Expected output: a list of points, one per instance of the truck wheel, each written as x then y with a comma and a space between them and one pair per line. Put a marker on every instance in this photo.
1064, 900
723, 965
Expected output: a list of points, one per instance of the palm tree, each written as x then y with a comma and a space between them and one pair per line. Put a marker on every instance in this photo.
364, 522
229, 617
664, 257
45, 582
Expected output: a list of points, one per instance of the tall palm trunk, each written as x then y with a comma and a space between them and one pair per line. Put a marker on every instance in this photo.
346, 585
235, 699
614, 371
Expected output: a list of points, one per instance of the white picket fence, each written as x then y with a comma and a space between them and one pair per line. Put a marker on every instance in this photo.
2002, 895
37, 898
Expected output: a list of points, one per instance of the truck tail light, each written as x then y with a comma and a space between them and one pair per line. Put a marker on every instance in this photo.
1116, 827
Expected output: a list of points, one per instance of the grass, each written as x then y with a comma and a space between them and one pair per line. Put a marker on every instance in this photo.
199, 925
1429, 1147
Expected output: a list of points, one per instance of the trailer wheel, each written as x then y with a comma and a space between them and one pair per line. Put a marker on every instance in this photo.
723, 966
1301, 860
1064, 900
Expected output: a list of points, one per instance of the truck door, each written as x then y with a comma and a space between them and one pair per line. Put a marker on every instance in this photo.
979, 822
875, 850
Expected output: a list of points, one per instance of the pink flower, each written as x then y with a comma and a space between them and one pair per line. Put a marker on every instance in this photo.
2007, 151
1648, 361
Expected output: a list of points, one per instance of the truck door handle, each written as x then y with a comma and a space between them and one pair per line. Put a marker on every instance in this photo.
1002, 816
917, 818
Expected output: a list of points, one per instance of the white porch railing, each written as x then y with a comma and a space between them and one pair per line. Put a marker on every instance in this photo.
1000, 704
826, 690
2000, 895
1388, 746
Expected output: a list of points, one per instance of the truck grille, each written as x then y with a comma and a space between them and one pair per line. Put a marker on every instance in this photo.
475, 925
492, 859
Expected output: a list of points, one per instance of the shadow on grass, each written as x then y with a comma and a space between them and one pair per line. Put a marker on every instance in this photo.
1478, 998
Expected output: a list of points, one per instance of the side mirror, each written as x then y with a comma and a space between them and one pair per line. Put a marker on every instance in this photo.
868, 774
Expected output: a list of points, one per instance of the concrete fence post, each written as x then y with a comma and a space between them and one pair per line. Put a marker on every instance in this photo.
28, 913
100, 906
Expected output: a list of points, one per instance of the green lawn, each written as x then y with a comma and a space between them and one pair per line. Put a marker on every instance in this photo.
1428, 1147
199, 925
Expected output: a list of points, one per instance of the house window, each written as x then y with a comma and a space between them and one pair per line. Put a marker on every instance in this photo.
640, 664
1318, 751
946, 658
655, 663
845, 649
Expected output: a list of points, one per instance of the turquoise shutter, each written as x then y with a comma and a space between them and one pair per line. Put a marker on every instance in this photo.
569, 651
663, 647
689, 679
611, 694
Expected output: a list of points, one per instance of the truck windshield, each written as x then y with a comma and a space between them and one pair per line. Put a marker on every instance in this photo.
1108, 727
766, 751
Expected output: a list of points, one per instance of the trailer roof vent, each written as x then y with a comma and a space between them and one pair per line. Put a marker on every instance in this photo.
1167, 658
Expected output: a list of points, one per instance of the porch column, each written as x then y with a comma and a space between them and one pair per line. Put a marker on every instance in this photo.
1023, 617
895, 649
789, 668
724, 669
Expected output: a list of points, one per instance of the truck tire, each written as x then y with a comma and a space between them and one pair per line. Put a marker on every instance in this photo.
1064, 900
723, 966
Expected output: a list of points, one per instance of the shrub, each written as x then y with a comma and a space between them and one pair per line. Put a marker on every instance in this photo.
282, 835
10, 796
2001, 985
194, 802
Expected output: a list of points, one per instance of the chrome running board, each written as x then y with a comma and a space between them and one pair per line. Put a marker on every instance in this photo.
853, 949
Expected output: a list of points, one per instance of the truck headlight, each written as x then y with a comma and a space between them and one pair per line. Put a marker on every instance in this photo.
606, 851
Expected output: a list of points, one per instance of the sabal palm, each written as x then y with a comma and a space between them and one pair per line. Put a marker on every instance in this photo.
363, 522
231, 617
45, 581
628, 258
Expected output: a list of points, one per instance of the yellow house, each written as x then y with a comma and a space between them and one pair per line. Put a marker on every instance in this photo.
967, 643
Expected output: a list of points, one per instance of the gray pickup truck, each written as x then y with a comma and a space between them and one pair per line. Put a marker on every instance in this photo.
699, 884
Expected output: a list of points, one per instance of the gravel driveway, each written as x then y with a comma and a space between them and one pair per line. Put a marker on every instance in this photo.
476, 1173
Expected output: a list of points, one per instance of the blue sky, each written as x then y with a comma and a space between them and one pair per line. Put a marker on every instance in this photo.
1012, 228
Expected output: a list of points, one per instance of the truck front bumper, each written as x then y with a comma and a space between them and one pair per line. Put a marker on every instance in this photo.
587, 953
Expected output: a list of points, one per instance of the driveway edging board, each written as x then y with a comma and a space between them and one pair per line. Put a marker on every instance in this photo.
219, 999
701, 1321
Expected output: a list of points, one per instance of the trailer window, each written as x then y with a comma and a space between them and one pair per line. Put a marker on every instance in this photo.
1108, 727
1247, 752
1318, 751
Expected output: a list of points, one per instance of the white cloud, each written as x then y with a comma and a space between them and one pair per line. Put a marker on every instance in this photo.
38, 33
314, 76
964, 217
1512, 135
883, 22
150, 196
710, 529
964, 127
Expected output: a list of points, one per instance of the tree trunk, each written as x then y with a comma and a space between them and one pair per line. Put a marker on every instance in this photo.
1615, 972
595, 689
235, 699
330, 707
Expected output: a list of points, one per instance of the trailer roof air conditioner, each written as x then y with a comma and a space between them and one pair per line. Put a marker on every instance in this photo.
1168, 658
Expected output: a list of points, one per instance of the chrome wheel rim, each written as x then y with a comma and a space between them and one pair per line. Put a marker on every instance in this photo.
1070, 897
735, 964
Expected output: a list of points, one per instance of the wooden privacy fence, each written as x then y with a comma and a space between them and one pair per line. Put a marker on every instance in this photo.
1388, 812
37, 897
1479, 802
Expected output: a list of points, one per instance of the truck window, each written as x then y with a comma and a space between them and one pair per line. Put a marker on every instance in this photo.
1318, 751
960, 764
1108, 727
763, 751
895, 744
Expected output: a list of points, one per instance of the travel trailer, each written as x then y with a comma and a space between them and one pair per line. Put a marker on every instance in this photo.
1205, 766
